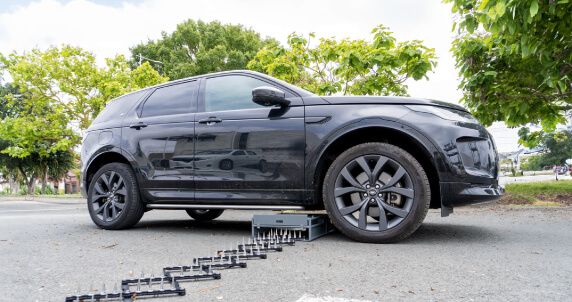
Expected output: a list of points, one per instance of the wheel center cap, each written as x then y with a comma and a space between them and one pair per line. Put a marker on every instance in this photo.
372, 192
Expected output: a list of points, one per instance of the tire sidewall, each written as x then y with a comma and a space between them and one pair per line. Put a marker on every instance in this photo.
131, 198
420, 201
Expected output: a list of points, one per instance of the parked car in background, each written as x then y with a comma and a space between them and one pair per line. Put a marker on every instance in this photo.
244, 140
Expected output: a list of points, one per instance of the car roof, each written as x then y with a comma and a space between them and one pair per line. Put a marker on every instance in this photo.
296, 89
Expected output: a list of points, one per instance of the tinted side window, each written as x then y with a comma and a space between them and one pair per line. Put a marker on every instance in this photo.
231, 93
117, 108
174, 99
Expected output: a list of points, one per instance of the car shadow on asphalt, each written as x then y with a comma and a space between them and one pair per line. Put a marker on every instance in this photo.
226, 227
428, 232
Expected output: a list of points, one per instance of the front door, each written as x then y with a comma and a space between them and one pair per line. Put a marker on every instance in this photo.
246, 153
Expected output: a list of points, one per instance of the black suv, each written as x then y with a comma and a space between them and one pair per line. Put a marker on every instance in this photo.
244, 140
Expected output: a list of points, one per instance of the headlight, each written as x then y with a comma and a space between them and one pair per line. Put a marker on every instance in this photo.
444, 113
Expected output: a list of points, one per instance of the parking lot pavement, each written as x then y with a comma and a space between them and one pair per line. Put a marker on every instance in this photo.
479, 253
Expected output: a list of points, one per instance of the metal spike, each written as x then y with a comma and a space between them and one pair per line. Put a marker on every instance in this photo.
300, 235
173, 282
92, 297
210, 269
139, 284
162, 280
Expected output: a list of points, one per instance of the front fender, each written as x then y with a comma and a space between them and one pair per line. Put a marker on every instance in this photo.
321, 136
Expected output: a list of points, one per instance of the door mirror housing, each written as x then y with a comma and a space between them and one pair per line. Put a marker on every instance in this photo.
269, 96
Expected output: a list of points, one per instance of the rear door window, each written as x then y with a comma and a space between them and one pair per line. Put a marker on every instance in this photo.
169, 100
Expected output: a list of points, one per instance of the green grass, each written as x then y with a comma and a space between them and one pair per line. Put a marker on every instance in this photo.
545, 187
544, 194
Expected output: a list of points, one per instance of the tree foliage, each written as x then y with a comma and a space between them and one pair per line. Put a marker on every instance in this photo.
68, 80
515, 59
54, 94
196, 47
347, 66
557, 145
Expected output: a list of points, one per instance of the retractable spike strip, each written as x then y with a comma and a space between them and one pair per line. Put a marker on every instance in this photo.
270, 233
201, 268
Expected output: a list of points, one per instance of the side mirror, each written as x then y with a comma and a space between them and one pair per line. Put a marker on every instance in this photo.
269, 96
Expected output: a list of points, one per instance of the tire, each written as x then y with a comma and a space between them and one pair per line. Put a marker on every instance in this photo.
226, 164
126, 195
402, 219
204, 215
263, 166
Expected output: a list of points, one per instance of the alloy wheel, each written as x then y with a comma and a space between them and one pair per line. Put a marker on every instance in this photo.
109, 195
374, 192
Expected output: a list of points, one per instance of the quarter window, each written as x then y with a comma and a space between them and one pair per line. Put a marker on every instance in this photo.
231, 92
117, 108
174, 99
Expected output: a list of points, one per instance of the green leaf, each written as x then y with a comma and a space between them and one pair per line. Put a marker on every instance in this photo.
533, 8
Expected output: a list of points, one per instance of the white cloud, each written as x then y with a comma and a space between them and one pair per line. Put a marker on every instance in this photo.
109, 30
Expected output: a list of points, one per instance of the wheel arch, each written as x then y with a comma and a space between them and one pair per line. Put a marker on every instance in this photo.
98, 161
391, 132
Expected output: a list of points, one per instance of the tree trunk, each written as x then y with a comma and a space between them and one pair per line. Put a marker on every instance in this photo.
11, 184
31, 185
44, 182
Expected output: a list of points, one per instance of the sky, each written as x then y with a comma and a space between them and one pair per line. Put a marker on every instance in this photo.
107, 28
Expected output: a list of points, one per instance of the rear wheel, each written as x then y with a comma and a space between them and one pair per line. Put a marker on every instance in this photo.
376, 192
204, 215
113, 197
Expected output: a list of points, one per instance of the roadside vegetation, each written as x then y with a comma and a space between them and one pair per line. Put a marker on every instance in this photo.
546, 193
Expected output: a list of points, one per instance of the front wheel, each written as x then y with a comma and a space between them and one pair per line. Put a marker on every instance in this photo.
376, 192
204, 215
113, 197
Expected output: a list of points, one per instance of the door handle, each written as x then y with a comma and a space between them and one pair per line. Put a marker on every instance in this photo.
210, 121
138, 126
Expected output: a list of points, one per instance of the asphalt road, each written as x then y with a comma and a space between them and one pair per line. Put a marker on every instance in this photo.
495, 253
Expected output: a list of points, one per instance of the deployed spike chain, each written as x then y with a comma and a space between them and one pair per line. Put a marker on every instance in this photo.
202, 268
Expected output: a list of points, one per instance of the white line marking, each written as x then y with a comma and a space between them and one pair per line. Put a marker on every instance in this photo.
309, 298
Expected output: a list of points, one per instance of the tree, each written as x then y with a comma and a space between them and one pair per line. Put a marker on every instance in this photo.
515, 60
558, 146
347, 66
197, 48
59, 91
69, 78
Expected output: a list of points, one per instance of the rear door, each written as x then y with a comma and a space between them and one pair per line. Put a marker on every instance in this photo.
247, 153
160, 136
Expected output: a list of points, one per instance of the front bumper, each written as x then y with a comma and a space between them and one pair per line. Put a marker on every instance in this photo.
461, 193
467, 160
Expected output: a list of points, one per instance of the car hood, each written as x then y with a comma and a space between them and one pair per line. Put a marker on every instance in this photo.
352, 100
